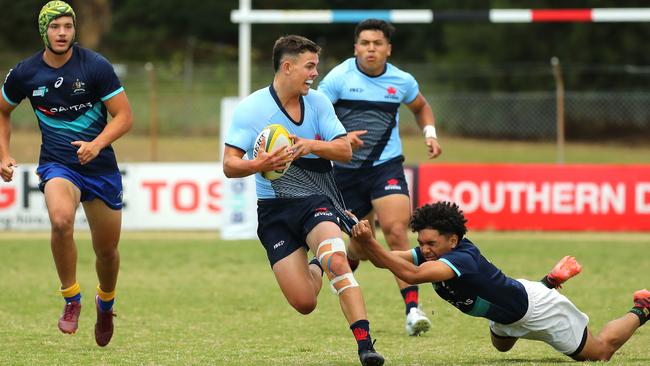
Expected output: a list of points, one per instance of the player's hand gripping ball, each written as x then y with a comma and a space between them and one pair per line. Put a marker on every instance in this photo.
277, 137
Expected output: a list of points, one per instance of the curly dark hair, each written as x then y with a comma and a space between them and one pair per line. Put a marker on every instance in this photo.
446, 217
374, 24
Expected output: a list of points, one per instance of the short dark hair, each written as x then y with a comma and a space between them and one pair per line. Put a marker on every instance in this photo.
374, 24
446, 217
292, 45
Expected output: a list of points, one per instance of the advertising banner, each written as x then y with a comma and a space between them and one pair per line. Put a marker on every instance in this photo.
542, 197
157, 196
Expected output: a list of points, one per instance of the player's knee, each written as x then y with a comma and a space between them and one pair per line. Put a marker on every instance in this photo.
332, 256
304, 304
396, 237
61, 224
107, 254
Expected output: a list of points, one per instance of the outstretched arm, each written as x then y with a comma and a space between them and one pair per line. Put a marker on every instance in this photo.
432, 271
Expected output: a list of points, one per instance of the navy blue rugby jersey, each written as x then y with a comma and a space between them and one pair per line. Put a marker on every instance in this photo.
68, 103
479, 288
364, 102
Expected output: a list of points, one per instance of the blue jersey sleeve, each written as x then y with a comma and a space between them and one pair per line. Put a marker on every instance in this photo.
461, 262
240, 134
328, 123
12, 90
108, 84
412, 90
418, 257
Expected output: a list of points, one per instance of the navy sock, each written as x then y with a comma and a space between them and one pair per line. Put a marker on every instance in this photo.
317, 262
361, 331
410, 296
642, 313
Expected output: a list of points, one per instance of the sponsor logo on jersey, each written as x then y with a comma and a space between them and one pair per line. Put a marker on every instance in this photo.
323, 211
76, 107
78, 87
278, 244
392, 93
392, 185
44, 110
58, 82
356, 90
39, 92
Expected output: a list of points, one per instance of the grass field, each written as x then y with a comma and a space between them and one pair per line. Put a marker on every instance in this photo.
193, 299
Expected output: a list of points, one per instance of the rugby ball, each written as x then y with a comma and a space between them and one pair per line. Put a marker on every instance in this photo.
277, 137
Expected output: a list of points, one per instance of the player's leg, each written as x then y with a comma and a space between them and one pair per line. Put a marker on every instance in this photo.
392, 206
300, 283
105, 226
62, 198
615, 333
325, 240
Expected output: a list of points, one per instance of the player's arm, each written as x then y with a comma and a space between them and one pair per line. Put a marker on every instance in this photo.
7, 163
338, 149
234, 166
424, 118
122, 120
404, 269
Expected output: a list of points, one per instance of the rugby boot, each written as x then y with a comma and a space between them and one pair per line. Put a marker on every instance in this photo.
104, 325
566, 268
69, 320
642, 299
417, 322
370, 357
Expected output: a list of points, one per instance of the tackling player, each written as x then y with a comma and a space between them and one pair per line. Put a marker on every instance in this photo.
294, 212
71, 90
367, 92
515, 308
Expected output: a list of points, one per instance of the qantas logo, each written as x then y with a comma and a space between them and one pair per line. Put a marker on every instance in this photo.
75, 108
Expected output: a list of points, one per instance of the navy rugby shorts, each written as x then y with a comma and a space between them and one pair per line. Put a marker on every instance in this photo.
360, 186
107, 187
283, 223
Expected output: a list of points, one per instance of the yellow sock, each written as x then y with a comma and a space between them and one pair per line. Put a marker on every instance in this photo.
105, 296
72, 293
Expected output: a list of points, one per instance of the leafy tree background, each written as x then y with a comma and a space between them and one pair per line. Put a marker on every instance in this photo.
164, 30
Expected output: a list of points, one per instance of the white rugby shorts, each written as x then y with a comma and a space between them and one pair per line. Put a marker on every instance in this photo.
551, 318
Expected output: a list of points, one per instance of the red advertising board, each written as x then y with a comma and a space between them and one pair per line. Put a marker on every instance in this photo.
542, 196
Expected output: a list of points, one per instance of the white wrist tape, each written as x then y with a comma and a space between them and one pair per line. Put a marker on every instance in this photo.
430, 132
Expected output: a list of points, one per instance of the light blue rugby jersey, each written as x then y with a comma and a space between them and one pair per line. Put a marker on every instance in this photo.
68, 103
262, 108
364, 102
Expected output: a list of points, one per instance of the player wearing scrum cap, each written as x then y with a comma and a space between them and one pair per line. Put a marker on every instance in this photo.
72, 90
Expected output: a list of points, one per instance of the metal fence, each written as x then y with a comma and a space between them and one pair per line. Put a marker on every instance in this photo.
187, 100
